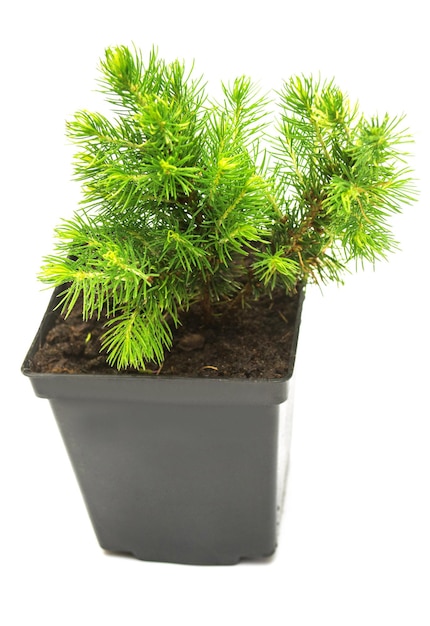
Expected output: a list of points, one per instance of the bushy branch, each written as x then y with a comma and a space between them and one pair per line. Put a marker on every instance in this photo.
346, 176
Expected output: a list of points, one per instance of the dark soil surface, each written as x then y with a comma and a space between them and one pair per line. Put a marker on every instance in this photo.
254, 342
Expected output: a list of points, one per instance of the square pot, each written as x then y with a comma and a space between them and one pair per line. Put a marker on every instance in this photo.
183, 470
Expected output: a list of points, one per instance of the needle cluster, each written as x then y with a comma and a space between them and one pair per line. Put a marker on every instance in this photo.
190, 201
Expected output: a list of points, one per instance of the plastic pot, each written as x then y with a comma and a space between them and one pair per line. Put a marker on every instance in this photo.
178, 470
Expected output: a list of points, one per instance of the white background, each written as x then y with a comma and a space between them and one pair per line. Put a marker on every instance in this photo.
355, 540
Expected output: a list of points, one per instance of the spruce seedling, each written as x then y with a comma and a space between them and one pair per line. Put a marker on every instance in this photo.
188, 201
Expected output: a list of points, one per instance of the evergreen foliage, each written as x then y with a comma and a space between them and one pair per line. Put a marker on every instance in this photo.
187, 200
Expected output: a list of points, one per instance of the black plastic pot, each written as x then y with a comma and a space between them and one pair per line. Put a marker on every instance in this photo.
178, 470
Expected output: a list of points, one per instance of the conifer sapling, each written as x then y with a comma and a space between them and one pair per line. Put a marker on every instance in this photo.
188, 201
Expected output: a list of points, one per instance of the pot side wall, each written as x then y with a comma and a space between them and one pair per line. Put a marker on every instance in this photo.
193, 484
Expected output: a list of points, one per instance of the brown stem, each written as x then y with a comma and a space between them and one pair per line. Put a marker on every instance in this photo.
206, 304
307, 223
